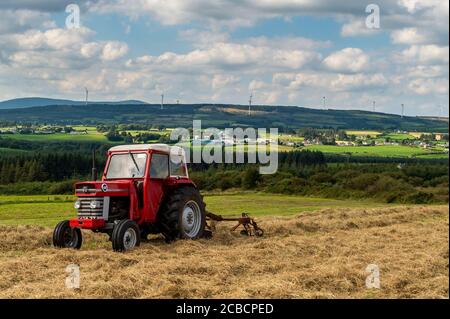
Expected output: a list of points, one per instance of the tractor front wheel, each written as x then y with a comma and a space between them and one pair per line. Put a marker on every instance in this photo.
66, 237
125, 235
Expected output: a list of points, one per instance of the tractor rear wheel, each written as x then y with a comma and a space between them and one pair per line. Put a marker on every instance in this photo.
66, 237
125, 235
183, 215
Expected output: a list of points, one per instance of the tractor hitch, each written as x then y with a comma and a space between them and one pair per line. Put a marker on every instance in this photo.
250, 227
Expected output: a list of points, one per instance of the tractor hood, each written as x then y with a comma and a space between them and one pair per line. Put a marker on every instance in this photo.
99, 188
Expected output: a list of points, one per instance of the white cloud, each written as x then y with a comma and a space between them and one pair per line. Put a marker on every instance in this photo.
221, 81
228, 57
112, 50
305, 80
14, 21
412, 36
126, 80
257, 85
53, 39
271, 97
58, 48
427, 71
288, 43
347, 60
357, 27
90, 49
353, 82
414, 6
429, 86
331, 81
203, 38
426, 54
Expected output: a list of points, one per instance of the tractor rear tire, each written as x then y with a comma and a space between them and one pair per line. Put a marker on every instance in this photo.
183, 216
66, 237
125, 235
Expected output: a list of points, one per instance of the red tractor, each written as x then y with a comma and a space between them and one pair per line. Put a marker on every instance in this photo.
145, 189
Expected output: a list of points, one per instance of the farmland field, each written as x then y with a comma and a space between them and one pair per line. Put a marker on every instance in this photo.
310, 252
399, 136
11, 151
382, 150
364, 133
90, 137
48, 210
434, 156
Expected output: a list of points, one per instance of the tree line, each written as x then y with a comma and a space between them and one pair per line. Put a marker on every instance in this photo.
44, 167
58, 166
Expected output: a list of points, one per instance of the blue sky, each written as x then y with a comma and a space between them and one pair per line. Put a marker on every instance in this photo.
289, 52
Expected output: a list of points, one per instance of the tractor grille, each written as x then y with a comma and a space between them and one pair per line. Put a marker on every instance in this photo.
86, 210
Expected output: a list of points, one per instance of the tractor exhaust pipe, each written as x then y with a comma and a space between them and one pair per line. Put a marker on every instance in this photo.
94, 169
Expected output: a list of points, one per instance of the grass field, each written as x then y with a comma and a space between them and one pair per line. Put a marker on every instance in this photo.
434, 156
289, 138
91, 136
382, 150
364, 133
98, 137
48, 210
135, 133
399, 136
11, 151
85, 128
314, 254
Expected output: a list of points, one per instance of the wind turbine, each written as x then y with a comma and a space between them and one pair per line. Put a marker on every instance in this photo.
162, 101
403, 110
87, 95
324, 98
373, 105
250, 104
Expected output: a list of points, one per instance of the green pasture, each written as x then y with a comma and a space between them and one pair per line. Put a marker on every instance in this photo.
48, 210
60, 137
381, 150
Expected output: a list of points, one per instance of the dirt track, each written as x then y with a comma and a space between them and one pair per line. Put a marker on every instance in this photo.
321, 254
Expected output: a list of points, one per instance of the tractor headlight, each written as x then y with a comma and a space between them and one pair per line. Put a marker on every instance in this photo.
95, 204
77, 204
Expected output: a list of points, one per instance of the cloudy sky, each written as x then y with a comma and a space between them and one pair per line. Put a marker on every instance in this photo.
290, 52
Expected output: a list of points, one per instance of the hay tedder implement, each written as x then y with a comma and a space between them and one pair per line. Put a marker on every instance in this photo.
145, 189
250, 227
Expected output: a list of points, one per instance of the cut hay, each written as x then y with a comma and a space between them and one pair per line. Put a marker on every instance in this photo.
321, 254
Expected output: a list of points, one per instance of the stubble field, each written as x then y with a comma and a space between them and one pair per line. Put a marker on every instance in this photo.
316, 254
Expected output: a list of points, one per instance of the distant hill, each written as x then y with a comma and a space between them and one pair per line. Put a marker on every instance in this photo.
39, 101
220, 116
436, 118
